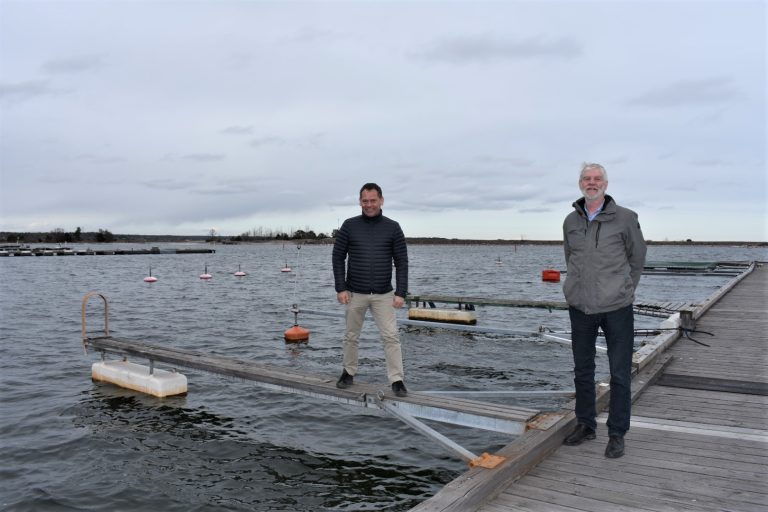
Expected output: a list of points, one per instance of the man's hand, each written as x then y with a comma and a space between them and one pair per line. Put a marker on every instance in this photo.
398, 302
343, 297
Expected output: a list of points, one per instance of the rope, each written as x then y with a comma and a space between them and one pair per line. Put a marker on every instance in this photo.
687, 334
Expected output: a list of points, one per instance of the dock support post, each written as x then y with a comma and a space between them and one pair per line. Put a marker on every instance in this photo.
687, 322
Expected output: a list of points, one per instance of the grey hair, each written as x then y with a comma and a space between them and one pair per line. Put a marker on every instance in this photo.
586, 166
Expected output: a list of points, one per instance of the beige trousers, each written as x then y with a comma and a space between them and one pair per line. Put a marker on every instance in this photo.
384, 315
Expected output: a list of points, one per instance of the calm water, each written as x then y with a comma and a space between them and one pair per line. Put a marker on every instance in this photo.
71, 444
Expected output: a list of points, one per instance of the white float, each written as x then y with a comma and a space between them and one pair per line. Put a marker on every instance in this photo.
134, 376
452, 316
673, 322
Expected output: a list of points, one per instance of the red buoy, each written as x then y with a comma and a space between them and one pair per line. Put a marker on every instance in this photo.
551, 276
296, 334
239, 272
205, 276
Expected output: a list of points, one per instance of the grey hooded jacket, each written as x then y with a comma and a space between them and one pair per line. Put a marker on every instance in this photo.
605, 257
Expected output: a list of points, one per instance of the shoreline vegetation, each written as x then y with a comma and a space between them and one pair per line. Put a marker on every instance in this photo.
103, 236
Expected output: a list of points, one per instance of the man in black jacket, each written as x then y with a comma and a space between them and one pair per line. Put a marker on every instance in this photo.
369, 243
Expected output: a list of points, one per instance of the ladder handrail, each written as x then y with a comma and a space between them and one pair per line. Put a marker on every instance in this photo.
106, 313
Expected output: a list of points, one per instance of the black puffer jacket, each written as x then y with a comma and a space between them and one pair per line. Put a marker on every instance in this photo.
369, 245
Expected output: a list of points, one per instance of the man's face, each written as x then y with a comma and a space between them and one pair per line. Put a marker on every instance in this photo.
371, 203
592, 184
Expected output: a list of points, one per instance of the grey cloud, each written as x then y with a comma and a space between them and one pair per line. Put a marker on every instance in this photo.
484, 48
709, 162
26, 90
511, 161
238, 130
74, 64
204, 157
166, 184
220, 190
688, 92
536, 210
266, 141
311, 35
96, 159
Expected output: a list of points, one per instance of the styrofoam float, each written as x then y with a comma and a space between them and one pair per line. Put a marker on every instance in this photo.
452, 316
134, 376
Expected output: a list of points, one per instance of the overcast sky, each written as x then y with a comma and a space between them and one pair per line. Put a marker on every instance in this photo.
178, 117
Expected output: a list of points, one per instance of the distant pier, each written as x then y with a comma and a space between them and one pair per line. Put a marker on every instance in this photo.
25, 250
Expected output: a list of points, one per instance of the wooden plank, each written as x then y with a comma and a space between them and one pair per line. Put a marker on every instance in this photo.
714, 384
666, 479
648, 494
477, 487
582, 498
702, 396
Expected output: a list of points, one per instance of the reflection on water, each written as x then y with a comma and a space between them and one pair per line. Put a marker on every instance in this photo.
71, 444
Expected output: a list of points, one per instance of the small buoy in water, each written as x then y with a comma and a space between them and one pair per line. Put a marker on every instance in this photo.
552, 276
149, 278
286, 268
239, 272
296, 334
206, 275
498, 260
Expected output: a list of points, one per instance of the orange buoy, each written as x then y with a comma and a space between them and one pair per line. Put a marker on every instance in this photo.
552, 276
296, 334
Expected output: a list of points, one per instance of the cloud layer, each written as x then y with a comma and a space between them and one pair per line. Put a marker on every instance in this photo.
179, 117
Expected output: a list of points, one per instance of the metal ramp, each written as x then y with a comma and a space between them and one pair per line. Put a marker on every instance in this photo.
457, 411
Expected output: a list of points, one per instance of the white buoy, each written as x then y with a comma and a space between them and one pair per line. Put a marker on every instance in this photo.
206, 275
134, 376
239, 272
286, 268
150, 278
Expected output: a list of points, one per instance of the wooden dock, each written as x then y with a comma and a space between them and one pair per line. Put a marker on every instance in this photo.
698, 442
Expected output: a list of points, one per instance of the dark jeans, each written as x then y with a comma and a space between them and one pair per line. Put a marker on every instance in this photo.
619, 327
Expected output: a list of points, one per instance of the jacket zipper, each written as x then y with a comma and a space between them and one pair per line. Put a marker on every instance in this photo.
597, 234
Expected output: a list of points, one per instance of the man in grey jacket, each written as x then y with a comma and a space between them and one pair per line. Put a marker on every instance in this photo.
369, 244
605, 254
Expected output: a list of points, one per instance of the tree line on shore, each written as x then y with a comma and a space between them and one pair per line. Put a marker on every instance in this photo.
60, 236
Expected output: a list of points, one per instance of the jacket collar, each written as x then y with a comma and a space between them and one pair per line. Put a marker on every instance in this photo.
609, 206
377, 218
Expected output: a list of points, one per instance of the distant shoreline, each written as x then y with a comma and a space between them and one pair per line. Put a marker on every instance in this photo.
30, 238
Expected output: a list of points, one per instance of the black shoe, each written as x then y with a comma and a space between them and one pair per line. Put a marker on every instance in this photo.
615, 448
579, 435
344, 381
399, 388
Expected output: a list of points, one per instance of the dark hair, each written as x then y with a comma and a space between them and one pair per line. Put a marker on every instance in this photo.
371, 186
